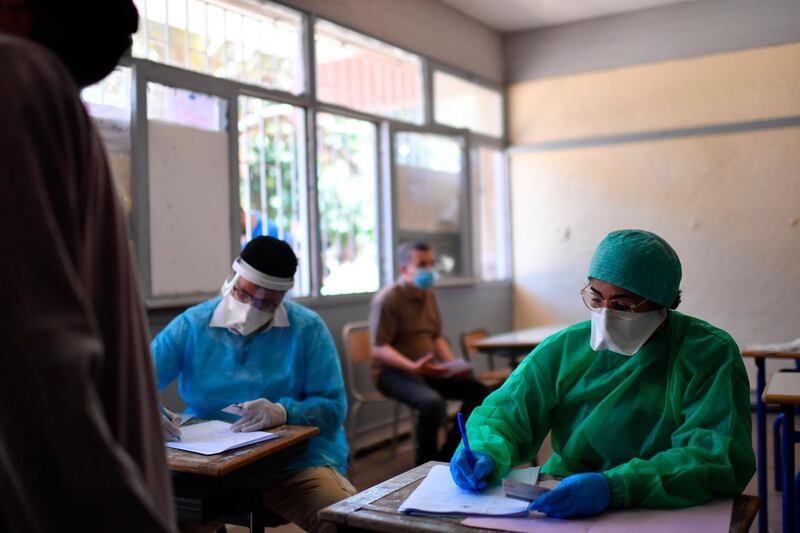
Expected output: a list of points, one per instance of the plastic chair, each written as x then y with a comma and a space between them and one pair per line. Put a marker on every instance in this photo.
358, 353
492, 379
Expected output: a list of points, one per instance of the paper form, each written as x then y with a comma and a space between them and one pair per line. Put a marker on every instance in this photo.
438, 494
215, 436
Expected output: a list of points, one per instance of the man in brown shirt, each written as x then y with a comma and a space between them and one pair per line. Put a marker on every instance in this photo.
407, 342
80, 438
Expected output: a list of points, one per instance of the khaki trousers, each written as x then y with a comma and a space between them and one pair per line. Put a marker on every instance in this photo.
299, 495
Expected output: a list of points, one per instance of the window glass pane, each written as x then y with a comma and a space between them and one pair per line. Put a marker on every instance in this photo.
463, 104
346, 166
188, 191
187, 108
247, 40
365, 74
109, 104
429, 184
492, 201
272, 186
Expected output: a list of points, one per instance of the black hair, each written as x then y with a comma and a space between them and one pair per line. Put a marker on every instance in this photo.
677, 301
404, 251
270, 256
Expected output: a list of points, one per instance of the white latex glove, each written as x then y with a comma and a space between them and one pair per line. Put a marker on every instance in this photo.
259, 414
171, 431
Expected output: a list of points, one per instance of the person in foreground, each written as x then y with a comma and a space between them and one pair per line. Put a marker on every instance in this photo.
647, 406
80, 440
277, 361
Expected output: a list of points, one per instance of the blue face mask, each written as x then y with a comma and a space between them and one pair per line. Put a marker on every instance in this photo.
424, 278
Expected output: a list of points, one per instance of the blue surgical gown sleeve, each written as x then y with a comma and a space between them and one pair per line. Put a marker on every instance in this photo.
324, 402
168, 348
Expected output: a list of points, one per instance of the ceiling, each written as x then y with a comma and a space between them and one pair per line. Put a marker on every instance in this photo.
517, 15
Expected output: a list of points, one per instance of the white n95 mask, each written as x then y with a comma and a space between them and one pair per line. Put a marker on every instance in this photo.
242, 318
625, 336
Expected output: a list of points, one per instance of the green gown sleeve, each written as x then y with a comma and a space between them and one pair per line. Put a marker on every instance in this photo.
513, 421
712, 452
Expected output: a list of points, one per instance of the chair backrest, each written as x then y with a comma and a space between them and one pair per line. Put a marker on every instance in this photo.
356, 342
358, 351
469, 339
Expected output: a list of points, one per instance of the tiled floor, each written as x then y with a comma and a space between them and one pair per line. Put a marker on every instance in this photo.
379, 465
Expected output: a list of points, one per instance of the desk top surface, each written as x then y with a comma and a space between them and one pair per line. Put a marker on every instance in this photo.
222, 463
783, 387
772, 355
523, 338
375, 509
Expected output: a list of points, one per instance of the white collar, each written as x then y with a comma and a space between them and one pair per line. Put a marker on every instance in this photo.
280, 320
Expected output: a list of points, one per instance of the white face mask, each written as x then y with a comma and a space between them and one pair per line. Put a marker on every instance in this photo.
625, 336
242, 318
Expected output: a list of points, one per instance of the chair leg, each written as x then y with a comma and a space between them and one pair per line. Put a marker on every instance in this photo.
351, 433
797, 495
396, 427
776, 450
414, 443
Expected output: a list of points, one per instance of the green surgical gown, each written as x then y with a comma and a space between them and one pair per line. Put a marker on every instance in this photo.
668, 427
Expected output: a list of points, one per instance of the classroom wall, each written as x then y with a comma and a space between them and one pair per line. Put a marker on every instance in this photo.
702, 149
427, 27
677, 31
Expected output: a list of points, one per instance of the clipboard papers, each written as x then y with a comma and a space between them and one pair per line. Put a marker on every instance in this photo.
455, 367
438, 494
215, 436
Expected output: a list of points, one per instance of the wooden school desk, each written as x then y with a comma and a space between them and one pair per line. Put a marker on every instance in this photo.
516, 343
761, 425
375, 509
784, 390
207, 487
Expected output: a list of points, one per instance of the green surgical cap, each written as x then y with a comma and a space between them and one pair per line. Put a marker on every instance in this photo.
638, 261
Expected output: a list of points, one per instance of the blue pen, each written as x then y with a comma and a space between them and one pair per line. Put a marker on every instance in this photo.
463, 430
165, 413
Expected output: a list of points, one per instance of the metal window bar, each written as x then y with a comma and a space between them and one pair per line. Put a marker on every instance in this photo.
279, 216
187, 49
262, 170
168, 46
145, 36
248, 232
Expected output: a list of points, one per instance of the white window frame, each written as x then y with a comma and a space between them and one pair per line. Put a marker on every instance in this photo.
144, 71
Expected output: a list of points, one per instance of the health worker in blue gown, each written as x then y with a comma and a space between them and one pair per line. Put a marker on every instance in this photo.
276, 360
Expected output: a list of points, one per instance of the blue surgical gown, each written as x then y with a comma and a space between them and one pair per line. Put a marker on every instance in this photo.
296, 366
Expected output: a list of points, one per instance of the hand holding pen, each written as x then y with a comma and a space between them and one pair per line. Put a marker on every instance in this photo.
469, 469
169, 424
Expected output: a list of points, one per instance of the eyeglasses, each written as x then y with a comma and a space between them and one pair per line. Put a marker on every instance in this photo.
247, 298
621, 307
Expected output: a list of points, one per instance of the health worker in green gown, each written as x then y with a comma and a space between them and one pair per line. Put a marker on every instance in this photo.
647, 406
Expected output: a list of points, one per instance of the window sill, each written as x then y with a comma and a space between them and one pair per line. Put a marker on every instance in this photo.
314, 302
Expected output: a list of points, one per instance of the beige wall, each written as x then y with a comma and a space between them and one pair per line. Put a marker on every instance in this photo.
719, 89
728, 202
427, 27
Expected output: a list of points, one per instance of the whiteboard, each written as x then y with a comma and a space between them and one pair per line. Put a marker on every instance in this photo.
190, 238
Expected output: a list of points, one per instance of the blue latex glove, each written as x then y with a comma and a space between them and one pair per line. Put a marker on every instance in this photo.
469, 478
577, 495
